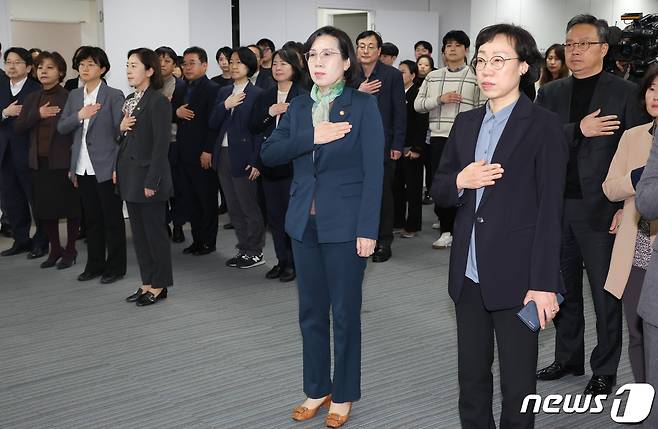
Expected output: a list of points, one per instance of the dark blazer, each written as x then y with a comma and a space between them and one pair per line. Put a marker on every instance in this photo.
518, 221
194, 137
263, 124
59, 153
71, 84
343, 177
614, 96
18, 143
264, 80
417, 123
102, 131
244, 146
221, 81
391, 102
143, 156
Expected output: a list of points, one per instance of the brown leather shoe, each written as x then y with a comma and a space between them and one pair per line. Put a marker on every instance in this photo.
301, 413
334, 420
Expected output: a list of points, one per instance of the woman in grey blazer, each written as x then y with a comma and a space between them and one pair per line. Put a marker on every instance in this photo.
143, 175
646, 201
92, 114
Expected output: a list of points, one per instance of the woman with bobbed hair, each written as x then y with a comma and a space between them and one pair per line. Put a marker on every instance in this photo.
236, 158
554, 66
55, 197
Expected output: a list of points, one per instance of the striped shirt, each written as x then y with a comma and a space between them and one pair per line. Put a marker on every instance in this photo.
442, 81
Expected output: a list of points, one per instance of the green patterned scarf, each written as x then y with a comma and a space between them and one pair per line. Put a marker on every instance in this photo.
322, 101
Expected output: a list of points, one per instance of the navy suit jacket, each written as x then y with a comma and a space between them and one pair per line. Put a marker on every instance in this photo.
19, 144
344, 177
244, 146
392, 104
518, 221
263, 124
194, 136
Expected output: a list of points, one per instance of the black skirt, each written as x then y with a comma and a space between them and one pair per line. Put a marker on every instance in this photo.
55, 197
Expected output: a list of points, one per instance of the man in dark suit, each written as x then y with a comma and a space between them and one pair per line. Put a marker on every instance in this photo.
192, 106
503, 168
16, 177
385, 83
5, 229
596, 108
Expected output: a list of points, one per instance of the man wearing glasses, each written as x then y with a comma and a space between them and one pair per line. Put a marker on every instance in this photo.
385, 83
192, 104
16, 179
596, 107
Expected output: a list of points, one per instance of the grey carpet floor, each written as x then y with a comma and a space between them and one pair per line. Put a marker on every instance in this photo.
224, 350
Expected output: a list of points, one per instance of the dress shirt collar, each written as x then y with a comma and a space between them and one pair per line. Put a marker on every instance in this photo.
502, 115
16, 88
94, 94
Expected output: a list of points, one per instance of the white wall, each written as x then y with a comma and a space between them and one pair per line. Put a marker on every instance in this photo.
210, 28
131, 24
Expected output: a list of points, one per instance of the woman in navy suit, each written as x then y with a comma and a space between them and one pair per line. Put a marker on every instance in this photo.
287, 71
236, 159
504, 168
335, 139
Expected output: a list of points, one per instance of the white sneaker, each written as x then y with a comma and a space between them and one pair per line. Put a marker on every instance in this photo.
444, 241
436, 225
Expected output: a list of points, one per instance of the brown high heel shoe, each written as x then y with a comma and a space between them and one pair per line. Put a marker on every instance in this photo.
334, 420
301, 413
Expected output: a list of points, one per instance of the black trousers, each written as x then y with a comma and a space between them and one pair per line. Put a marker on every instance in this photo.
580, 243
18, 202
330, 278
446, 215
517, 355
630, 300
200, 196
387, 214
106, 229
176, 208
277, 196
408, 194
152, 245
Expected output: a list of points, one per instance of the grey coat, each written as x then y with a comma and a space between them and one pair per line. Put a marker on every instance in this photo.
646, 202
102, 132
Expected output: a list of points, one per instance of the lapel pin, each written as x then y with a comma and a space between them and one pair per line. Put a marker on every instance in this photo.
341, 113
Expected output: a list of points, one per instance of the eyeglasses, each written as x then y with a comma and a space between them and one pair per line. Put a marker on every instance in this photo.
87, 66
191, 63
325, 54
14, 63
496, 62
364, 47
582, 46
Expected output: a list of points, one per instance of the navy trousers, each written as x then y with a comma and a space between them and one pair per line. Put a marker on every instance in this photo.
277, 195
330, 278
17, 198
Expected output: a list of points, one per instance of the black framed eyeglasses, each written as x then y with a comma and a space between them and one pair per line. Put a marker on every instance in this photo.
582, 46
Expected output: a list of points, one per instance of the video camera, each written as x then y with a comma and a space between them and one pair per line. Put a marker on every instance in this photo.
635, 47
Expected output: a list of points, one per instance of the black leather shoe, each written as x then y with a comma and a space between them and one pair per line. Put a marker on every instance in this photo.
274, 273
134, 297
178, 236
192, 248
148, 298
228, 226
37, 252
556, 370
110, 278
600, 385
382, 254
17, 249
88, 276
204, 249
51, 261
287, 275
